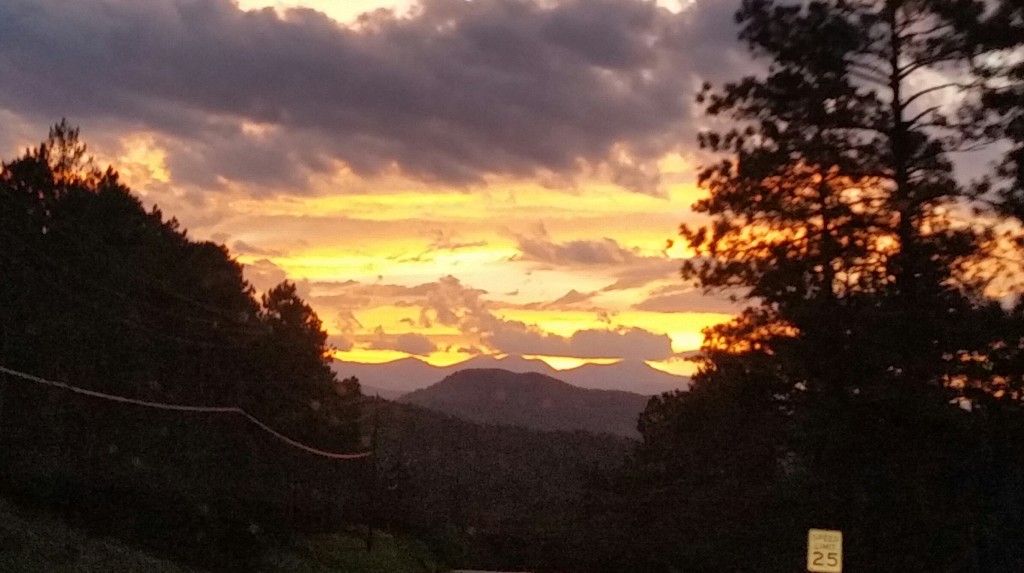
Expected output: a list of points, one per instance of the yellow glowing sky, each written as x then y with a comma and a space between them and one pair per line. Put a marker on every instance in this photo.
340, 10
353, 241
547, 259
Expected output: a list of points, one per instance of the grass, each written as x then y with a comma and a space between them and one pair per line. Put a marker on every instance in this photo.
31, 542
346, 552
34, 542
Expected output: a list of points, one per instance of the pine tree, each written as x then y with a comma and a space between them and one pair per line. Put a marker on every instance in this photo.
1000, 39
837, 214
837, 209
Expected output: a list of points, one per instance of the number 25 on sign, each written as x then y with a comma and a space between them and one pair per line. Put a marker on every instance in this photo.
824, 551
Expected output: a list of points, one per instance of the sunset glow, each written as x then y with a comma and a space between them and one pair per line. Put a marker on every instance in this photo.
509, 250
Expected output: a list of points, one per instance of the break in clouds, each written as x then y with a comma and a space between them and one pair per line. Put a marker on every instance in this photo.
448, 302
451, 92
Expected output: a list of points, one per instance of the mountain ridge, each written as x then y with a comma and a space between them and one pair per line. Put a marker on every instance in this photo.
408, 374
531, 400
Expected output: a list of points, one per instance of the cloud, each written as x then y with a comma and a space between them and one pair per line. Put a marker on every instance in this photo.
572, 300
341, 343
580, 252
513, 337
647, 271
572, 297
264, 274
451, 304
346, 321
630, 266
684, 298
352, 295
455, 305
635, 343
243, 248
410, 343
453, 93
537, 246
442, 240
448, 302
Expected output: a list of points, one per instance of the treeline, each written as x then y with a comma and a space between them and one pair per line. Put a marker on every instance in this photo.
488, 496
874, 384
99, 293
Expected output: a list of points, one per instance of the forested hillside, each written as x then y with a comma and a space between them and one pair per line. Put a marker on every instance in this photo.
490, 496
118, 302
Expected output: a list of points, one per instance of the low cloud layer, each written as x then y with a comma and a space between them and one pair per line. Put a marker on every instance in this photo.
452, 93
674, 298
409, 343
629, 266
452, 304
513, 337
447, 302
603, 251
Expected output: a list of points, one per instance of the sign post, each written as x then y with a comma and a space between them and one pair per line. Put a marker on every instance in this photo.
824, 551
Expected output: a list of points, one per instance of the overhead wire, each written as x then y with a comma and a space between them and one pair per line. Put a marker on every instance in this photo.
185, 408
113, 256
131, 323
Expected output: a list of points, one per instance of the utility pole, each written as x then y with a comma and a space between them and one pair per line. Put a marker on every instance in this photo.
3, 379
372, 460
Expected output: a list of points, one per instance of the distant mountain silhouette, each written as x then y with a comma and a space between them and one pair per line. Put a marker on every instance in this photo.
383, 393
403, 376
531, 400
630, 375
408, 374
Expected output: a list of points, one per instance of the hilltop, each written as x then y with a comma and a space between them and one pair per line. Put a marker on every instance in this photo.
531, 400
392, 379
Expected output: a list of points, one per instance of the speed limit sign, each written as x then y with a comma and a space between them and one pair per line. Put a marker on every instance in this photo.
824, 551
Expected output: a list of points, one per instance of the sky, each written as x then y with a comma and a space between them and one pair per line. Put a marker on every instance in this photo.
441, 178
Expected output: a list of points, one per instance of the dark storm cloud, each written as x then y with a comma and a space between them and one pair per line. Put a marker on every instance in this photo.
454, 92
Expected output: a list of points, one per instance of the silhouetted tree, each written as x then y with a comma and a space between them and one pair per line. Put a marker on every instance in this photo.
999, 41
296, 379
837, 214
837, 209
101, 293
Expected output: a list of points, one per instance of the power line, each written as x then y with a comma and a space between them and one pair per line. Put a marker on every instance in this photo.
184, 408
